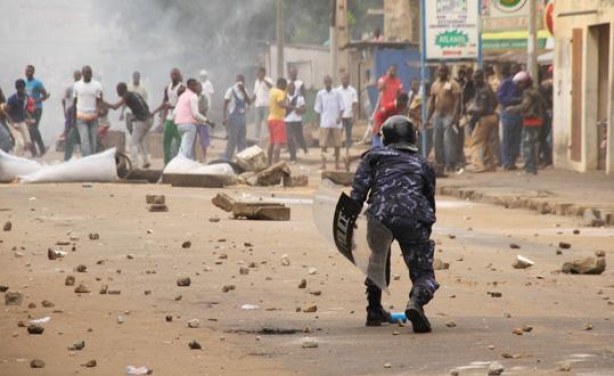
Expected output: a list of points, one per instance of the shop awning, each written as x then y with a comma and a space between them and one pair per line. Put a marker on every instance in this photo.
511, 40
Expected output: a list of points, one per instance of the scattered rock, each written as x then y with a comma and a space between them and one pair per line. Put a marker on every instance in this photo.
387, 365
169, 318
564, 245
120, 319
194, 323
8, 226
114, 292
599, 253
303, 284
495, 294
54, 255
310, 308
527, 328
589, 265
35, 329
103, 290
82, 289
155, 199
130, 257
195, 345
495, 369
91, 364
184, 282
514, 246
309, 343
518, 331
564, 367
438, 264
285, 260
316, 292
94, 236
454, 372
69, 281
187, 244
77, 346
4, 288
37, 363
214, 219
227, 288
559, 252
13, 298
312, 271
522, 262
576, 232
157, 208
243, 270
451, 324
81, 268
147, 292
588, 326
31, 305
47, 304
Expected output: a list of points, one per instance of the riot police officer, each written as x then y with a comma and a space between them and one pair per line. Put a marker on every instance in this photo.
399, 187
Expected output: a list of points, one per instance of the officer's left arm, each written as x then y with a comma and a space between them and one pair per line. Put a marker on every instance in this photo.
363, 180
430, 183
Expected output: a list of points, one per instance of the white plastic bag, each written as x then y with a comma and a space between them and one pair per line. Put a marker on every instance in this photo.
12, 166
99, 167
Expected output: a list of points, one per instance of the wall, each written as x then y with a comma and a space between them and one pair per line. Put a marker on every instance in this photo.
313, 63
564, 106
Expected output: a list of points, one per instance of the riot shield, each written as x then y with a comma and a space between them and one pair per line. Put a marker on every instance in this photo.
359, 237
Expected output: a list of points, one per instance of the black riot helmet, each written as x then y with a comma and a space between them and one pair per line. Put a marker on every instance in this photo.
400, 133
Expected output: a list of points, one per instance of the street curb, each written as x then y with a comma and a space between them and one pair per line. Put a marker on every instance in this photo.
542, 202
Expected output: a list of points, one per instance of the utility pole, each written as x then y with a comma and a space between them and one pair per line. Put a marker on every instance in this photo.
280, 39
532, 41
339, 38
334, 48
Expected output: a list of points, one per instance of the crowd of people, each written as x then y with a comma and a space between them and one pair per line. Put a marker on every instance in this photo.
504, 116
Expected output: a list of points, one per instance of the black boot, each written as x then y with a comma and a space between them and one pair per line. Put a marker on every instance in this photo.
415, 311
376, 314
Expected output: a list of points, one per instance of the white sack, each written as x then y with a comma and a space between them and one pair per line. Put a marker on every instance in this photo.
94, 168
12, 167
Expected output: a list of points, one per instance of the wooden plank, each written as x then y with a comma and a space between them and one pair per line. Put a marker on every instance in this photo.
193, 180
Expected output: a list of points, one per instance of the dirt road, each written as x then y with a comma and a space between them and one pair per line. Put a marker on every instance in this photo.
140, 254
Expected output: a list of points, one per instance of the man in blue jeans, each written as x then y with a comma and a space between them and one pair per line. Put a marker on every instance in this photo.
511, 123
443, 114
87, 95
36, 90
236, 102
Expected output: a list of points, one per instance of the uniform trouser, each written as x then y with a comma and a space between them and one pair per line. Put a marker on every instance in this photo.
72, 139
511, 125
35, 134
483, 156
188, 138
418, 253
21, 135
262, 115
88, 134
236, 135
530, 148
170, 140
445, 141
138, 140
348, 124
294, 131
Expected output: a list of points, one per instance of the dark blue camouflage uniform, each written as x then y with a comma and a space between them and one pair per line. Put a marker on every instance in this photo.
399, 186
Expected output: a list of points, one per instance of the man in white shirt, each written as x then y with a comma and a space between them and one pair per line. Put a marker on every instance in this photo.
87, 95
350, 105
329, 107
262, 89
293, 79
207, 86
236, 101
294, 121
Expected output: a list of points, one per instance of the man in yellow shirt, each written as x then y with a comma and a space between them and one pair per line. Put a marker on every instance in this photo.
277, 115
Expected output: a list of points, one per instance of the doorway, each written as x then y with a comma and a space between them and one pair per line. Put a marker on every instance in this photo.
601, 33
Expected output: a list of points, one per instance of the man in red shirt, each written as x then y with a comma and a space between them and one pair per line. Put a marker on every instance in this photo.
398, 106
390, 86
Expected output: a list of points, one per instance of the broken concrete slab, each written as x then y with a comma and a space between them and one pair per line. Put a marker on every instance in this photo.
194, 180
344, 178
252, 159
296, 181
273, 175
252, 209
155, 199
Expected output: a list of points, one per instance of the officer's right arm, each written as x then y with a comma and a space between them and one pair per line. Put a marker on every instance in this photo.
429, 186
363, 179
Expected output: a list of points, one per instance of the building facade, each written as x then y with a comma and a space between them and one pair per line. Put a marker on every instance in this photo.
583, 125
